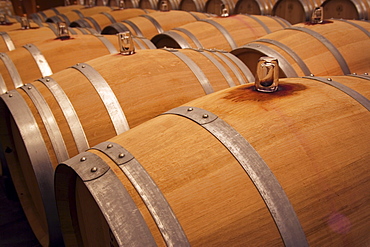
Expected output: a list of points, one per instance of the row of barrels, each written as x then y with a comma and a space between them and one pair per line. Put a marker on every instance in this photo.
240, 35
294, 11
73, 139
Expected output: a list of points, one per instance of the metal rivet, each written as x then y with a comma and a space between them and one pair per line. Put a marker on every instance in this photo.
329, 79
109, 146
366, 73
83, 159
10, 95
48, 80
83, 66
205, 116
121, 155
94, 169
354, 73
190, 109
29, 87
312, 75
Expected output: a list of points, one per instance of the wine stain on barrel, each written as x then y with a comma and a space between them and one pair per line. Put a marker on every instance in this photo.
249, 92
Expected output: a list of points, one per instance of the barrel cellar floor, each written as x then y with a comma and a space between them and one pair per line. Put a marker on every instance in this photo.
14, 228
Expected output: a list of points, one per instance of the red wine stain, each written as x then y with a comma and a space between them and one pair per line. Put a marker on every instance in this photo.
249, 93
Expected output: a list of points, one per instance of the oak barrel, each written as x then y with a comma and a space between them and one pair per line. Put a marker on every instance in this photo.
192, 5
44, 58
15, 24
335, 47
130, 3
295, 11
234, 168
346, 9
92, 102
75, 14
43, 15
254, 7
17, 38
216, 6
225, 33
101, 20
151, 24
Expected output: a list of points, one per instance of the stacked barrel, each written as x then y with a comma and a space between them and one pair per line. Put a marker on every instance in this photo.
134, 123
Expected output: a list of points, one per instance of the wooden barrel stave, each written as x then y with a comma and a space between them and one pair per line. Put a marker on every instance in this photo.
157, 90
208, 199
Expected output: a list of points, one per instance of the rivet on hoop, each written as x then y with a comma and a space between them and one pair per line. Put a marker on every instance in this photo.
48, 80
366, 73
29, 87
312, 75
121, 155
354, 73
83, 159
205, 116
94, 169
10, 95
83, 66
190, 109
109, 145
329, 79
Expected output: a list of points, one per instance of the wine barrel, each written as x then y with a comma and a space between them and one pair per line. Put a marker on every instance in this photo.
91, 102
157, 4
192, 5
130, 4
153, 23
6, 7
320, 49
103, 19
15, 24
46, 57
11, 40
216, 6
45, 14
346, 9
225, 33
295, 11
74, 15
234, 168
148, 4
254, 7
103, 2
